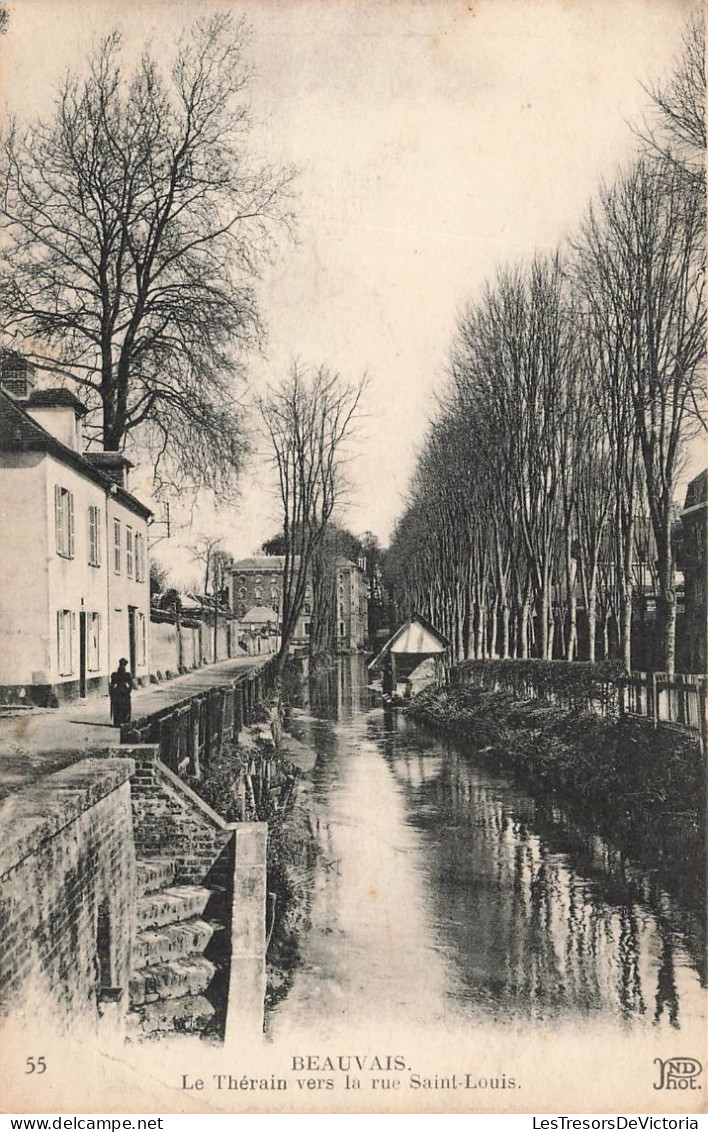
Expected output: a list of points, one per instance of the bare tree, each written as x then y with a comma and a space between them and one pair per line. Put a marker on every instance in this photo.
646, 246
676, 131
308, 419
134, 226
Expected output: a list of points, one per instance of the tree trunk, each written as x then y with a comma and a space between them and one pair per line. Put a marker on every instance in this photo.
543, 610
505, 632
592, 623
523, 649
478, 630
625, 628
666, 602
493, 625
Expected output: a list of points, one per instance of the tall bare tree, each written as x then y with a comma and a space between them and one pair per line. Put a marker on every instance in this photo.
134, 225
308, 418
676, 129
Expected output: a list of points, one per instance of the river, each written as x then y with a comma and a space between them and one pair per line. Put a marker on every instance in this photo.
447, 894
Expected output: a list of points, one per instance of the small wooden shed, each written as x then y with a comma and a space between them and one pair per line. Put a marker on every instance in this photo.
417, 640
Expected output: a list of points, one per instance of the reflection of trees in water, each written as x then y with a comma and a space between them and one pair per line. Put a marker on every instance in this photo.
630, 983
666, 993
540, 922
339, 692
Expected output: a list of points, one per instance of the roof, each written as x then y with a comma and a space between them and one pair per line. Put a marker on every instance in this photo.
416, 637
697, 490
260, 615
347, 564
265, 563
20, 433
53, 398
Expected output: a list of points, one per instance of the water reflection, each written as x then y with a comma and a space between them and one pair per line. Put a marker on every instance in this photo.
446, 890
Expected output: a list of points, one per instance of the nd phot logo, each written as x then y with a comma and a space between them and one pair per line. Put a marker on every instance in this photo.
678, 1073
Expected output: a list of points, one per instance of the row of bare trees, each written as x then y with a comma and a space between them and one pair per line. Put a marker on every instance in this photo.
546, 483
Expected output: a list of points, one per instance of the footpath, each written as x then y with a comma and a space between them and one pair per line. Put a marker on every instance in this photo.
43, 740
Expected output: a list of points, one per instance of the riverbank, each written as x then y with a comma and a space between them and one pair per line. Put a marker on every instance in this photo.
645, 788
276, 792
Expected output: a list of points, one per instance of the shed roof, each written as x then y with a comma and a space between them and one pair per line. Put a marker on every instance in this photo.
260, 615
416, 637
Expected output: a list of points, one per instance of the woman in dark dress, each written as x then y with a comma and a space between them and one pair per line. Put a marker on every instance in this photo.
120, 689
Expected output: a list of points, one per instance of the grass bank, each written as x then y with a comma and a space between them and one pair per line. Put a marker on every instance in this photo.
642, 787
278, 796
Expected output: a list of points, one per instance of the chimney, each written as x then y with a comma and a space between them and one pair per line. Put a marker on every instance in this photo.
17, 374
114, 465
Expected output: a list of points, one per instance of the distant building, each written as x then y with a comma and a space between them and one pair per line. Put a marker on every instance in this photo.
352, 607
259, 582
693, 563
74, 583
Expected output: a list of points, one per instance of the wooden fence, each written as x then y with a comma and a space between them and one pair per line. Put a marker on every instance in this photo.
679, 699
192, 732
659, 697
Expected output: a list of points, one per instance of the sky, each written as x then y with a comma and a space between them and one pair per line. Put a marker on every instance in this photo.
435, 141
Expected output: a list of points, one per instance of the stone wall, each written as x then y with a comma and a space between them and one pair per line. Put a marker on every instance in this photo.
67, 894
170, 820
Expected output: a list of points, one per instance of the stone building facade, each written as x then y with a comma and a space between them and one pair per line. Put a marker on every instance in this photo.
258, 581
694, 564
74, 588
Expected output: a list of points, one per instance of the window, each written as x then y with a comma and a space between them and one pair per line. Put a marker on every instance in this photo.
242, 580
94, 540
139, 558
341, 628
258, 580
242, 591
307, 628
66, 622
308, 607
64, 521
116, 546
341, 610
259, 592
129, 551
140, 638
93, 642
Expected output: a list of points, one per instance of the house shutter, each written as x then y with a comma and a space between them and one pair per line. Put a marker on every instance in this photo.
58, 519
97, 526
70, 509
92, 535
60, 636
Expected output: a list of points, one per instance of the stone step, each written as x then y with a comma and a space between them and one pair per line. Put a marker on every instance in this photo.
179, 977
159, 945
170, 905
187, 1015
155, 873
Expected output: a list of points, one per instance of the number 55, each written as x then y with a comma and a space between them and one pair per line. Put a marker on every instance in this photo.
36, 1065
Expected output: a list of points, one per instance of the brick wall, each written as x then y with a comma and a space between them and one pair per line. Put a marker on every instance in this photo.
170, 820
67, 893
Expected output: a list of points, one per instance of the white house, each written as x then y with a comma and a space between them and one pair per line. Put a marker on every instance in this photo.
74, 575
